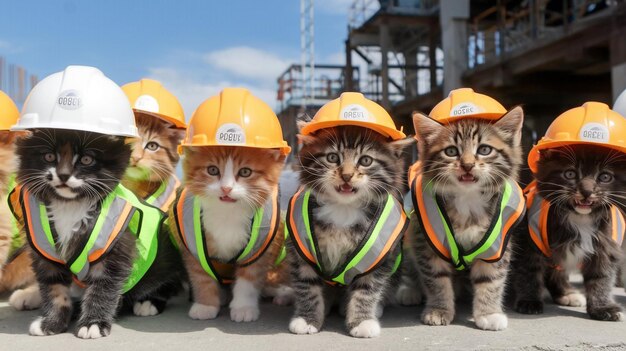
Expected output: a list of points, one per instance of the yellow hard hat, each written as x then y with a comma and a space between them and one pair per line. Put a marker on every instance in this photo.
235, 117
465, 103
353, 109
150, 97
8, 112
592, 123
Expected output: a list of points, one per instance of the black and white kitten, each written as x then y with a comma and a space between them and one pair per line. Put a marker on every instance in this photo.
350, 172
582, 183
72, 172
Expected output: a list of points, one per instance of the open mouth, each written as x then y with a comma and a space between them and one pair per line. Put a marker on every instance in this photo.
346, 188
467, 178
583, 206
62, 186
227, 198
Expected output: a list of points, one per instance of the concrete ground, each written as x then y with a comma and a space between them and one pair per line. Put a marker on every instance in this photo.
558, 328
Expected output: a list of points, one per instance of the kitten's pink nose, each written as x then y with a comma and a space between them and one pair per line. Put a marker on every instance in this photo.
346, 177
226, 190
134, 160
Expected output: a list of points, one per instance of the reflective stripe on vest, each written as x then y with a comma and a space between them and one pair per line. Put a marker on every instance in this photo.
438, 230
165, 194
16, 239
385, 231
263, 228
539, 211
119, 210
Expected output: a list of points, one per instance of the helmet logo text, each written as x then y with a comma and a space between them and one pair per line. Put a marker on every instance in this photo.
594, 132
69, 100
354, 113
464, 109
147, 103
230, 133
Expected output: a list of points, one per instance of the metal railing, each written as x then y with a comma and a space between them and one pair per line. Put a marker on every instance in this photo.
363, 10
509, 26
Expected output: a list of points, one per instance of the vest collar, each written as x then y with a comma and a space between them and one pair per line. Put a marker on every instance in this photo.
165, 194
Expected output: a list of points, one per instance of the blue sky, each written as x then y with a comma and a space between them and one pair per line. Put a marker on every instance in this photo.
195, 47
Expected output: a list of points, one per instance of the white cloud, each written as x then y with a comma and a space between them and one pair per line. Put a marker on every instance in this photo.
8, 47
248, 62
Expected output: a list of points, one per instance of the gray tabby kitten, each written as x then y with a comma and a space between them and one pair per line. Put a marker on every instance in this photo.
350, 172
467, 162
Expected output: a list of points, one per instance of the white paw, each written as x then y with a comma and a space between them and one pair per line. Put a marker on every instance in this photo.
408, 295
91, 332
200, 311
25, 299
35, 328
144, 309
574, 299
494, 321
369, 328
244, 314
299, 326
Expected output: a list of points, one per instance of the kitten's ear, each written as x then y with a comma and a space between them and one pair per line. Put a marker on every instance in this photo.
511, 124
426, 128
398, 147
176, 133
276, 155
305, 139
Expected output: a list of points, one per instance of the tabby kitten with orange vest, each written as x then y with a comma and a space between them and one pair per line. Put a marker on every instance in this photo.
226, 218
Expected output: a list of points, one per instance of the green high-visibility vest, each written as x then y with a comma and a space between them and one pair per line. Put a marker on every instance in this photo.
263, 228
381, 238
165, 194
438, 230
16, 239
119, 211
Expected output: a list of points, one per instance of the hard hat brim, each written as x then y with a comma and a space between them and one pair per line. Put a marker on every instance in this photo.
533, 155
284, 150
176, 122
385, 131
81, 127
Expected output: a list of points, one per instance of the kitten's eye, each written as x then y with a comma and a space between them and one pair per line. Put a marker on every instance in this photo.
50, 157
605, 177
152, 146
86, 160
366, 161
332, 157
245, 172
451, 151
569, 174
484, 150
213, 170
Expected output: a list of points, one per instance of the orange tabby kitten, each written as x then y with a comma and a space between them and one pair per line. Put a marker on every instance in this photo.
225, 187
150, 174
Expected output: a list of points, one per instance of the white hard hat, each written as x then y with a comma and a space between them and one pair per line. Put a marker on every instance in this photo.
620, 104
79, 98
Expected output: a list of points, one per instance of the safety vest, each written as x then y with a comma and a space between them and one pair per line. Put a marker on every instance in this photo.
263, 228
165, 194
438, 229
538, 213
16, 238
119, 210
382, 236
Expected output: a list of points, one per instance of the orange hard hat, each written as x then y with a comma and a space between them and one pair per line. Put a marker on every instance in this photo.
8, 112
354, 109
235, 117
465, 103
150, 97
593, 123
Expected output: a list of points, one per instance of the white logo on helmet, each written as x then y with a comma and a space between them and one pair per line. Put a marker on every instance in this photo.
464, 109
69, 100
147, 103
230, 133
594, 132
355, 112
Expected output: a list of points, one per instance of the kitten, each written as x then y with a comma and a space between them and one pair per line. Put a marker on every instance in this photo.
230, 193
66, 179
153, 161
349, 174
584, 186
15, 269
465, 167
